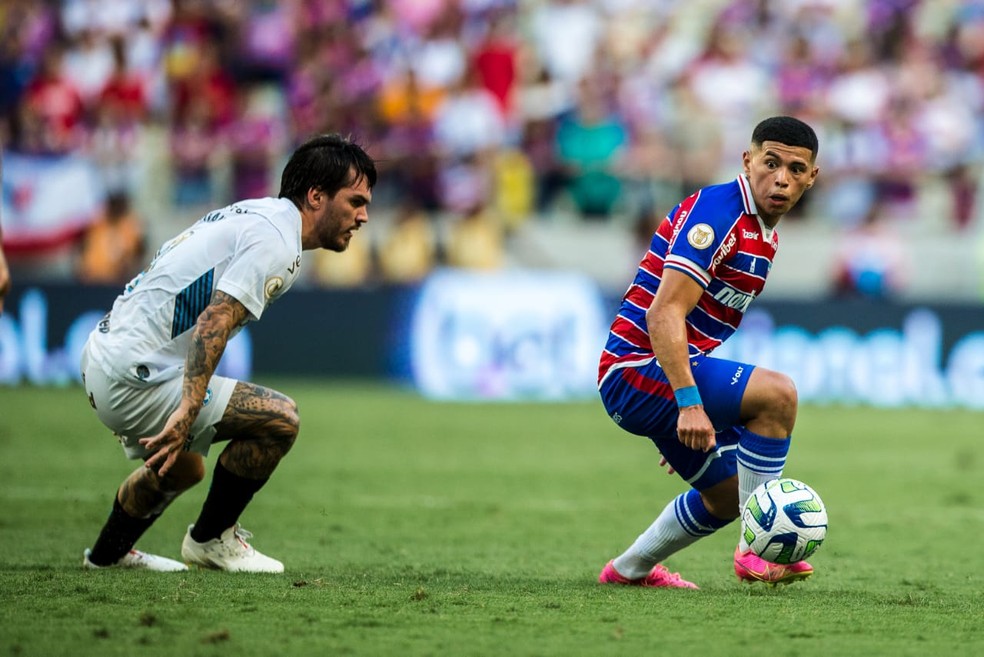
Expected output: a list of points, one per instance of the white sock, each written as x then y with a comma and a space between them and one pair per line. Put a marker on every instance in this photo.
668, 535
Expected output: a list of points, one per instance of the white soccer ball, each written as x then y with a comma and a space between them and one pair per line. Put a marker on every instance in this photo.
784, 521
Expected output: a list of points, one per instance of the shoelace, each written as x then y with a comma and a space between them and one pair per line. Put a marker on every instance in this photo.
665, 574
243, 535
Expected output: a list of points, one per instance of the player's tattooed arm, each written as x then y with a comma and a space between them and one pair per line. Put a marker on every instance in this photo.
208, 340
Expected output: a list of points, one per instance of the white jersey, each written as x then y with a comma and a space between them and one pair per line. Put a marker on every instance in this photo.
250, 250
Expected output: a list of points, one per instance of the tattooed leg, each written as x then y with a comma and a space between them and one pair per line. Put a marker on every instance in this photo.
261, 425
139, 501
145, 493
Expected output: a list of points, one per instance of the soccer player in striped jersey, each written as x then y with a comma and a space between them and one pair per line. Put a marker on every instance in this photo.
149, 366
723, 426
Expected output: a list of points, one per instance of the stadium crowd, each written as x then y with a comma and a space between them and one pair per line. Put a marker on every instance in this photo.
486, 114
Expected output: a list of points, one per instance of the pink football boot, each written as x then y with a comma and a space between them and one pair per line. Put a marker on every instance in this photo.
659, 576
752, 568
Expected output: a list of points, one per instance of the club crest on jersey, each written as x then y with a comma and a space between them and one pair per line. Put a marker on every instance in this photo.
700, 236
273, 286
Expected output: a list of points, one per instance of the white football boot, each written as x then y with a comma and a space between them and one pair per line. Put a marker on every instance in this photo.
138, 560
230, 552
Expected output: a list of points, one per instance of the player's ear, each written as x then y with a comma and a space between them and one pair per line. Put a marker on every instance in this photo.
315, 197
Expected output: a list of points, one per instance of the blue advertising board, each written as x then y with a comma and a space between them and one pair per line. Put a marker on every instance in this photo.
530, 336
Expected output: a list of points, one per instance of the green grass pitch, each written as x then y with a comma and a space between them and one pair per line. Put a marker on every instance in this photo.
411, 527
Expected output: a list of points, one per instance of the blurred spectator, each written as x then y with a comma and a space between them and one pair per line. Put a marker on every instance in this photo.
118, 118
591, 142
565, 36
255, 140
113, 246
475, 240
194, 147
904, 154
496, 60
352, 267
513, 187
52, 113
408, 251
88, 63
869, 261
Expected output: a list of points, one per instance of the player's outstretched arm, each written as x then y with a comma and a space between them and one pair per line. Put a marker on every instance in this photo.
208, 341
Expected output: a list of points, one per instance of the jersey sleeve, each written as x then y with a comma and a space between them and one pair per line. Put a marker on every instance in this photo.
257, 272
698, 237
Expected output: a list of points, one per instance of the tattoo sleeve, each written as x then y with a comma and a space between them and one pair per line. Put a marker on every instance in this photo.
208, 341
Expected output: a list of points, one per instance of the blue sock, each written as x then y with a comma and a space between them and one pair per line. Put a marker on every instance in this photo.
694, 517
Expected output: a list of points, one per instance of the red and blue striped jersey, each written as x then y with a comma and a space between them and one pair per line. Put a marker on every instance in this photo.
716, 237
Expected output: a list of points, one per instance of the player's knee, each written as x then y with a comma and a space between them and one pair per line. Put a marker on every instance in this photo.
288, 424
785, 400
186, 472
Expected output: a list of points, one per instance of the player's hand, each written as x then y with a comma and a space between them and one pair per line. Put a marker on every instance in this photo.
168, 444
663, 463
694, 429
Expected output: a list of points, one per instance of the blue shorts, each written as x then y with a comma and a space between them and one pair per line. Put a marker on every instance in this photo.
640, 400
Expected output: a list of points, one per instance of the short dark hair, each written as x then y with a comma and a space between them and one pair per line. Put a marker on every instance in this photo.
786, 130
326, 162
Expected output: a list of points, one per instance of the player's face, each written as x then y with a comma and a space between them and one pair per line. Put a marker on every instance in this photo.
778, 174
344, 214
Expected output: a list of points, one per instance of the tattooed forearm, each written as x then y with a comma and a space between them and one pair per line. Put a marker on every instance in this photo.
208, 342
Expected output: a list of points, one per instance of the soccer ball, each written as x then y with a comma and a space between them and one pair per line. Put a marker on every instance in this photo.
784, 521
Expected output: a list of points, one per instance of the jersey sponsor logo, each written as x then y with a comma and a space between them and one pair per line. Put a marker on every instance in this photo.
749, 234
104, 324
273, 286
725, 250
294, 266
734, 299
700, 236
737, 375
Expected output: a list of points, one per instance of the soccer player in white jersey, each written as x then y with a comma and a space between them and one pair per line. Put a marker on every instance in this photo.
149, 366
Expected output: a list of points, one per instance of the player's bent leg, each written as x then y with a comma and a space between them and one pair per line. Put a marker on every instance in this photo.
721, 499
768, 411
261, 425
769, 404
145, 493
139, 501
